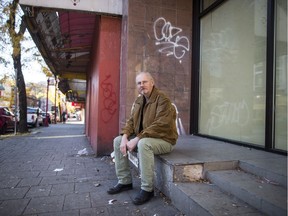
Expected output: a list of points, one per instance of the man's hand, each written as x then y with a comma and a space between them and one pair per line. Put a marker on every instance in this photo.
132, 144
123, 145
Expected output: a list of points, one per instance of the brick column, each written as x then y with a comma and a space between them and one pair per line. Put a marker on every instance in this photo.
104, 86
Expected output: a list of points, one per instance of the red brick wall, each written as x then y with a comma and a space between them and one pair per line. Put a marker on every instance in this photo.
141, 51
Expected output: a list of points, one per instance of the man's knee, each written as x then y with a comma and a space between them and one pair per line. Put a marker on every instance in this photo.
117, 142
143, 145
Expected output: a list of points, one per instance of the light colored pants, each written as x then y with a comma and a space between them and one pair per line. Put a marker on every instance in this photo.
147, 148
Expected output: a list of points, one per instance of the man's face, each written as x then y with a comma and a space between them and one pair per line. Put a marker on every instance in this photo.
144, 84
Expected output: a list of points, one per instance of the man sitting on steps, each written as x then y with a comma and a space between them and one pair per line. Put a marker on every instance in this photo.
151, 129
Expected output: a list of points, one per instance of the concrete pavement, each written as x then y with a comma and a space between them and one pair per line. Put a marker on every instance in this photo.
52, 171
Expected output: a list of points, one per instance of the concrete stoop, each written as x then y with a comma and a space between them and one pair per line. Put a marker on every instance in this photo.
269, 198
206, 200
222, 188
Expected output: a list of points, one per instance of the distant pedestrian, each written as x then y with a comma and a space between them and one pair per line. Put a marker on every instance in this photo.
64, 116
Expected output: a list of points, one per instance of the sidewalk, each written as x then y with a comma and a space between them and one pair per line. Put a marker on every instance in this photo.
46, 174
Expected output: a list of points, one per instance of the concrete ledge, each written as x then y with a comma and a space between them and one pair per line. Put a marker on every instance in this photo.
184, 176
206, 200
273, 175
194, 156
268, 198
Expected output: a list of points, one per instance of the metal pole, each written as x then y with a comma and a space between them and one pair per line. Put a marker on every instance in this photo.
55, 114
16, 103
16, 109
46, 119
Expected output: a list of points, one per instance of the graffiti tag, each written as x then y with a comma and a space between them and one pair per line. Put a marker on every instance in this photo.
229, 113
110, 103
168, 36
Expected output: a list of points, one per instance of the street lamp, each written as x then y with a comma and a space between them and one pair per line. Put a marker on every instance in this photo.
46, 119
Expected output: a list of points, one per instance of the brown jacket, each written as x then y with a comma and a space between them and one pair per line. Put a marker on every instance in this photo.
159, 119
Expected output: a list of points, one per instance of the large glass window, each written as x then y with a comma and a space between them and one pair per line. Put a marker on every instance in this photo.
233, 71
281, 78
206, 3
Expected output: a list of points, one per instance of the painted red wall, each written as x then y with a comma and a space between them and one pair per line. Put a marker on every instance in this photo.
102, 118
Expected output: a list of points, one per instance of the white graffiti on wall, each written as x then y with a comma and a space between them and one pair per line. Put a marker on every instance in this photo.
168, 36
229, 113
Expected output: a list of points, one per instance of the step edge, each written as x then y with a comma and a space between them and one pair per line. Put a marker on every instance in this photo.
208, 208
258, 202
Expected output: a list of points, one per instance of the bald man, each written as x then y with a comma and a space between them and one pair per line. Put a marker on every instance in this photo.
150, 130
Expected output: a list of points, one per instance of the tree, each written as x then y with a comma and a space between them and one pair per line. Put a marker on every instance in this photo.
16, 35
13, 41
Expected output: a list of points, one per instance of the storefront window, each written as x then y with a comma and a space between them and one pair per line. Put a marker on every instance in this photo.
233, 71
281, 78
207, 3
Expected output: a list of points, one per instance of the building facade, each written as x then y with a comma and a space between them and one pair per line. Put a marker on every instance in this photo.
223, 63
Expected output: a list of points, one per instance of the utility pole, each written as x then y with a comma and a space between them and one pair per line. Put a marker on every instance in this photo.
46, 118
56, 88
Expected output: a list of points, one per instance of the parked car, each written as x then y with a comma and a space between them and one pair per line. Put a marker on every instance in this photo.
7, 120
34, 116
72, 115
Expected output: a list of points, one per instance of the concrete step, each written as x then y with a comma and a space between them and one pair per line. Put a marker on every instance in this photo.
179, 175
268, 197
184, 185
203, 199
271, 169
232, 191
